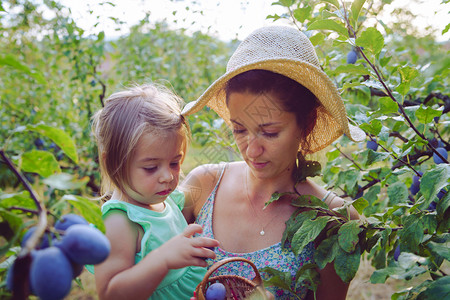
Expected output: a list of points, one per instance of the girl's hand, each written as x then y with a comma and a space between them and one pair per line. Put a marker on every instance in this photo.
185, 250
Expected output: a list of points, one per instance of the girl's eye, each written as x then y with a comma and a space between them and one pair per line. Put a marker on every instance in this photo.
175, 164
150, 169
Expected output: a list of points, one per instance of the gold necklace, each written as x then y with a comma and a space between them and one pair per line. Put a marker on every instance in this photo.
262, 232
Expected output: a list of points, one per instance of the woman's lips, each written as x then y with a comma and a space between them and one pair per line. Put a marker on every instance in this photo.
258, 165
164, 193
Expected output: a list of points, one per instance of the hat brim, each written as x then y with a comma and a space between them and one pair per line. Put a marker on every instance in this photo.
331, 120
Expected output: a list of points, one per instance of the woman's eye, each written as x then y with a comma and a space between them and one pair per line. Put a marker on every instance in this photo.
270, 134
238, 131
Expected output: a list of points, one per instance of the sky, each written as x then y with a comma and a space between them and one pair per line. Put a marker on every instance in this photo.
225, 19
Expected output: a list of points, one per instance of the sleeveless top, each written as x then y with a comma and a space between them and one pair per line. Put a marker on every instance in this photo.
275, 256
158, 228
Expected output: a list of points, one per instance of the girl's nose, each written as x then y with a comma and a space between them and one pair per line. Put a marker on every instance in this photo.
166, 176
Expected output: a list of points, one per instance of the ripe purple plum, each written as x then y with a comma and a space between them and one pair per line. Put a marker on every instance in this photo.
372, 145
68, 220
84, 245
352, 56
51, 274
397, 253
216, 291
443, 152
44, 243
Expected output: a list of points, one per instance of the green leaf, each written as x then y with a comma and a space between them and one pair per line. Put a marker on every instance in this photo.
295, 222
441, 249
328, 25
374, 127
326, 251
89, 209
350, 179
65, 181
307, 168
302, 13
317, 38
14, 221
285, 3
443, 204
427, 114
447, 27
60, 137
21, 199
308, 201
360, 204
374, 156
412, 233
347, 264
439, 289
407, 260
407, 74
308, 233
372, 40
308, 275
356, 9
434, 180
398, 193
409, 273
42, 162
387, 106
380, 276
10, 60
278, 278
351, 69
348, 236
332, 2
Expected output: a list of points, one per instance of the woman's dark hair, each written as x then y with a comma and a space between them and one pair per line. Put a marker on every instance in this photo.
293, 96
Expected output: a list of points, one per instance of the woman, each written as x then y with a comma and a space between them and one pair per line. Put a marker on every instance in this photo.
281, 107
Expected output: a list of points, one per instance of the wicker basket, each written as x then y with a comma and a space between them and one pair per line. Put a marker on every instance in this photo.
237, 287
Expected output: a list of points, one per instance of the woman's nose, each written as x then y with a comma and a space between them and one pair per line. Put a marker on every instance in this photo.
254, 147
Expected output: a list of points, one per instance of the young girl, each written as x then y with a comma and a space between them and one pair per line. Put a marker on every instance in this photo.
142, 140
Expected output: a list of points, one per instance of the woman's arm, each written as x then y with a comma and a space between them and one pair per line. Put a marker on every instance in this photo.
331, 286
197, 186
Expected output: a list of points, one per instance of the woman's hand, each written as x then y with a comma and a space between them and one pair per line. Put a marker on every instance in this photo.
185, 250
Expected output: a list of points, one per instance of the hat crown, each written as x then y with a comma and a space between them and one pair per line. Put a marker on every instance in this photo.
272, 43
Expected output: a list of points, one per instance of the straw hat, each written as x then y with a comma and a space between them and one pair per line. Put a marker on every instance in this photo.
289, 52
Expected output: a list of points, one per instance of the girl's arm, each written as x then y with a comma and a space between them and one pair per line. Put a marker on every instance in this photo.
119, 278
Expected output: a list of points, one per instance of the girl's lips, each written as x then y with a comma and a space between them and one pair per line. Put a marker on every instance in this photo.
258, 165
164, 193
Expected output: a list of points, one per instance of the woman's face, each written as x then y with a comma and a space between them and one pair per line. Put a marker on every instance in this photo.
267, 136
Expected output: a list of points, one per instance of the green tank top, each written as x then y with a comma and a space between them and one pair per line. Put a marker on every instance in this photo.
160, 227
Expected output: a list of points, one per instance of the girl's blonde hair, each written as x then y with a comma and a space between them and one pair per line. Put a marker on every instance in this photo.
128, 114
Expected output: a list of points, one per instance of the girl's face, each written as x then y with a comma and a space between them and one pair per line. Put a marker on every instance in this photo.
155, 169
267, 136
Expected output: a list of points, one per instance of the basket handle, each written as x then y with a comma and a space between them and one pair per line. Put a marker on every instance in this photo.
257, 280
